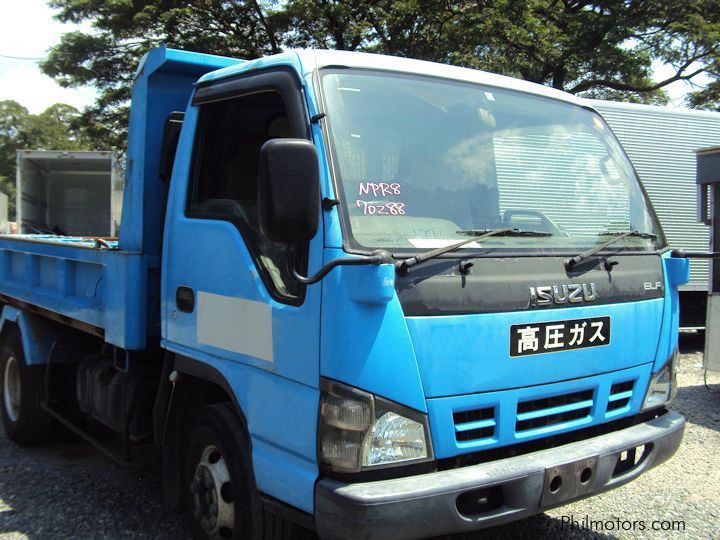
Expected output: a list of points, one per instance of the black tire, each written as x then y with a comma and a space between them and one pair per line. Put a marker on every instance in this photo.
21, 392
217, 470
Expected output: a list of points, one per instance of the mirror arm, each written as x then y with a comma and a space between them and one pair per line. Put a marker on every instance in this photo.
377, 257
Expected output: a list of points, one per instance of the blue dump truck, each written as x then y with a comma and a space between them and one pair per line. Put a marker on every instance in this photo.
369, 296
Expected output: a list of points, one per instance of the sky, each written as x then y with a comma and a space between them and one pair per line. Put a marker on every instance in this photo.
27, 31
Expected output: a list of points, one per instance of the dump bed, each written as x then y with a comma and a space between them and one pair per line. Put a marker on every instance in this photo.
88, 284
108, 287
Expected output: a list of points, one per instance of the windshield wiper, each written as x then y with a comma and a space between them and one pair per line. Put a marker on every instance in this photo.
506, 232
577, 259
477, 234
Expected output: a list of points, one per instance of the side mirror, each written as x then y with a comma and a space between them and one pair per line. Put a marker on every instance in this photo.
288, 190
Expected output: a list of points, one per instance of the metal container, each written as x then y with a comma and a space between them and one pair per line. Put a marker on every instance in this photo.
68, 193
4, 225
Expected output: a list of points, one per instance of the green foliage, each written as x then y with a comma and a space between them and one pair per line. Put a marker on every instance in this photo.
602, 49
57, 128
709, 98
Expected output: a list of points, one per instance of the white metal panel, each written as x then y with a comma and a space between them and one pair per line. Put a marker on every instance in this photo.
711, 358
79, 204
31, 196
3, 213
116, 196
235, 324
661, 143
70, 193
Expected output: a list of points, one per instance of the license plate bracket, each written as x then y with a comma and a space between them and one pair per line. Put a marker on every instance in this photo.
569, 481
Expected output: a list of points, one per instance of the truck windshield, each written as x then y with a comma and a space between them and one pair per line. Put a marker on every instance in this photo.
420, 161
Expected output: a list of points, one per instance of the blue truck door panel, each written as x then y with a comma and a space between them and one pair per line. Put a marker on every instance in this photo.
230, 317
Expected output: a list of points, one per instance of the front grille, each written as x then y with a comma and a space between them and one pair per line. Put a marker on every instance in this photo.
475, 424
472, 422
540, 413
620, 394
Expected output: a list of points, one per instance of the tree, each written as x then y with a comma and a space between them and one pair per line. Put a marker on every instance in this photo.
599, 49
56, 128
595, 49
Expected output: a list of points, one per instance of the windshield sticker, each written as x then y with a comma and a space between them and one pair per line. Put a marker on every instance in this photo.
431, 243
381, 209
380, 190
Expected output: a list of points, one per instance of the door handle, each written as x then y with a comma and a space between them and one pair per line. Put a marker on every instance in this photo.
185, 299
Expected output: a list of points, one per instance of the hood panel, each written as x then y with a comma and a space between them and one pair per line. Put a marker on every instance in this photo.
465, 354
497, 285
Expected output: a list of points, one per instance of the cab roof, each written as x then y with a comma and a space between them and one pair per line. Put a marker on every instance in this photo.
306, 61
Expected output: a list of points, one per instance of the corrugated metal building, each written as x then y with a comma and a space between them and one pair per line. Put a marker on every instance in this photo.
661, 143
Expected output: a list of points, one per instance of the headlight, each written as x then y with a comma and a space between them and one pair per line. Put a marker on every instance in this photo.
663, 385
360, 431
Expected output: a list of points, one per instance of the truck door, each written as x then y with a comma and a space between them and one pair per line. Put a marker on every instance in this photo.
230, 300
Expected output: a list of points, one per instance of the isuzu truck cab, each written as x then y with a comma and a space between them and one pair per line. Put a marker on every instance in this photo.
371, 296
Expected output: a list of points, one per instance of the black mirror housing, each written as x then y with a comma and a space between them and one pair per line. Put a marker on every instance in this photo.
288, 190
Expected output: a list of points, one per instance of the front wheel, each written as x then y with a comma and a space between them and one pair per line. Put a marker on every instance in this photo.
218, 497
218, 483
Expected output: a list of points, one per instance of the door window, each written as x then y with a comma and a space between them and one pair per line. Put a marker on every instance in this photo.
227, 151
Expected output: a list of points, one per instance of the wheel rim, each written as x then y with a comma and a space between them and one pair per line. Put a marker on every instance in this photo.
212, 494
11, 388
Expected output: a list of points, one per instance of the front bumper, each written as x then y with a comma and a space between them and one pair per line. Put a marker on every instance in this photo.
426, 505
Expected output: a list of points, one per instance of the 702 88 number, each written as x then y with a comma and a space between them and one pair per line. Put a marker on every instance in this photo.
381, 209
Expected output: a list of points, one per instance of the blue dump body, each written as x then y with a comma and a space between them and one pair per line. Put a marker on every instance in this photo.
112, 286
476, 387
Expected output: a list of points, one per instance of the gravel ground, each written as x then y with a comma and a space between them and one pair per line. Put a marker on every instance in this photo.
69, 490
